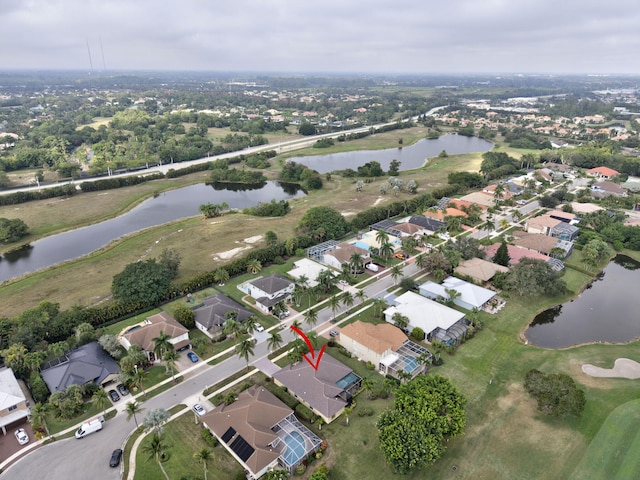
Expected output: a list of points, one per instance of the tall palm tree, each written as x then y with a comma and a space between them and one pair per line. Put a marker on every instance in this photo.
356, 263
400, 320
137, 378
38, 418
244, 349
499, 191
101, 399
296, 296
170, 359
386, 250
361, 295
347, 299
334, 304
161, 344
303, 281
156, 448
396, 272
382, 237
133, 408
379, 306
221, 276
311, 316
504, 224
421, 261
233, 328
203, 456
368, 385
274, 341
254, 266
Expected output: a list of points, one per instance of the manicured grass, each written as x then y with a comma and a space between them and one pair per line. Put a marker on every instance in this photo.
183, 439
57, 424
613, 453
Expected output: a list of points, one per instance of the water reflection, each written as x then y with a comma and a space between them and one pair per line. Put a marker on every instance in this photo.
606, 311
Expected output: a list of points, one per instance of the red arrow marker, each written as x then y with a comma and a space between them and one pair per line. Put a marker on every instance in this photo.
311, 350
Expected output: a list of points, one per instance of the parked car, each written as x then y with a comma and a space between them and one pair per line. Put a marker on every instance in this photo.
334, 333
122, 389
343, 282
199, 409
371, 266
113, 395
22, 436
116, 456
193, 357
259, 327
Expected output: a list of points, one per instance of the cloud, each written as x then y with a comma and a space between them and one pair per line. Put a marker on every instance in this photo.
281, 35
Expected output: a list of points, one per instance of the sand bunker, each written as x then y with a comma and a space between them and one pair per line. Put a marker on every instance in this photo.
254, 239
622, 368
229, 253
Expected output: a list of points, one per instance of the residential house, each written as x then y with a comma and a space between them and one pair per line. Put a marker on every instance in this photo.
309, 269
430, 225
261, 433
565, 231
481, 271
470, 296
439, 322
368, 240
515, 253
341, 254
541, 243
542, 224
565, 217
603, 173
605, 189
269, 290
13, 403
144, 333
326, 391
86, 364
481, 198
385, 346
212, 314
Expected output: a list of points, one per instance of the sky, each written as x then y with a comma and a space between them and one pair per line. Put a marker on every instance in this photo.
338, 36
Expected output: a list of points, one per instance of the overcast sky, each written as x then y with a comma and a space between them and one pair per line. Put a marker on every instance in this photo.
383, 36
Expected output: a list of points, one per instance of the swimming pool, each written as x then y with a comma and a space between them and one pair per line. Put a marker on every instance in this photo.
410, 364
295, 448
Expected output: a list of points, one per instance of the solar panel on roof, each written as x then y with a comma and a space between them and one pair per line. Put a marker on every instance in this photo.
228, 435
241, 448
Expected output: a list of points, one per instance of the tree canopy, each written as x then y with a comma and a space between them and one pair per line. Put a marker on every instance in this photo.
323, 222
535, 277
12, 230
145, 282
556, 393
427, 412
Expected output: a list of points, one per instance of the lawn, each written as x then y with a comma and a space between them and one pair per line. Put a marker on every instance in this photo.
183, 440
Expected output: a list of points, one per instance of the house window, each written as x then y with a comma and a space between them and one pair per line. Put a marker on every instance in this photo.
12, 408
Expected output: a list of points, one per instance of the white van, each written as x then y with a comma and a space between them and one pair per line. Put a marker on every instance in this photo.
90, 427
372, 266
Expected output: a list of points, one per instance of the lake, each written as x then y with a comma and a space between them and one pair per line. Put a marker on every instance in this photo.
410, 157
166, 207
606, 311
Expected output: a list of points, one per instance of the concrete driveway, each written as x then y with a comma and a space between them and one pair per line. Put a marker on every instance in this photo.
8, 443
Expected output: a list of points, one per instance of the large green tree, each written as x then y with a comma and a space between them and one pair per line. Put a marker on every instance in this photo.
323, 220
535, 277
427, 412
12, 230
146, 283
556, 393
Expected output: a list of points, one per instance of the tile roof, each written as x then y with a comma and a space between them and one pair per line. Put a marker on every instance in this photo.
160, 322
480, 269
378, 338
535, 241
603, 171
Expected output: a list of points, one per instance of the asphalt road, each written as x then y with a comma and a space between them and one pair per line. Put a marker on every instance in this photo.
88, 458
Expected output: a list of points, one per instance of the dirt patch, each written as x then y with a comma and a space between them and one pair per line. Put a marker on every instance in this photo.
229, 253
622, 368
252, 240
378, 200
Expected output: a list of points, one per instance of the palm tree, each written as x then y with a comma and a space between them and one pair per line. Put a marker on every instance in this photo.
101, 399
356, 263
400, 320
203, 456
368, 385
504, 224
361, 295
347, 412
382, 237
489, 225
253, 266
334, 304
386, 250
274, 341
38, 418
137, 378
311, 316
303, 281
296, 296
403, 376
233, 328
453, 294
421, 261
244, 349
221, 276
396, 272
379, 305
133, 408
161, 344
155, 448
347, 299
170, 362
499, 191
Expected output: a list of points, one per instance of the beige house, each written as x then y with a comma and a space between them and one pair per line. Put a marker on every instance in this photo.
384, 345
479, 270
144, 333
13, 403
542, 224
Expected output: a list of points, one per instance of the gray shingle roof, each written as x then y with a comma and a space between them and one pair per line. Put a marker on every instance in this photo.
271, 283
215, 307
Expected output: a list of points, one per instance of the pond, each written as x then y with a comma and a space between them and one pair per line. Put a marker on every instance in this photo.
410, 157
166, 207
606, 311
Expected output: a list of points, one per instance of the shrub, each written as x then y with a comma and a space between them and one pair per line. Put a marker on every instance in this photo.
208, 437
370, 366
418, 334
365, 412
304, 412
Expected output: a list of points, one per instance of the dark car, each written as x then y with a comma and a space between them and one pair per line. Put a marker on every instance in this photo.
122, 389
192, 356
113, 395
115, 458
